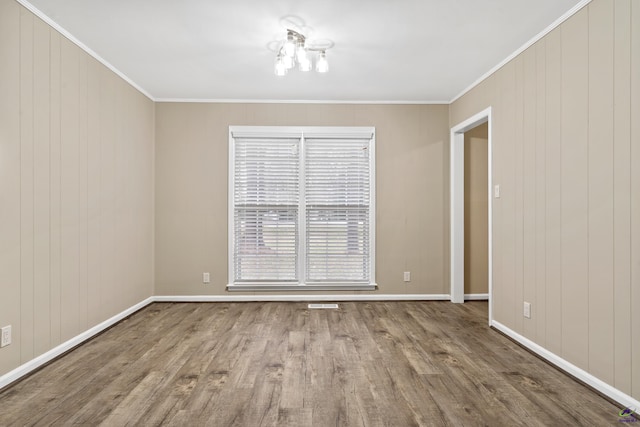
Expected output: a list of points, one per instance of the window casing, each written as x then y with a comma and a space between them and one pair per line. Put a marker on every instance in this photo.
301, 208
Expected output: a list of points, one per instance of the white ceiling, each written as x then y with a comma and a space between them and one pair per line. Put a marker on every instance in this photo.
385, 51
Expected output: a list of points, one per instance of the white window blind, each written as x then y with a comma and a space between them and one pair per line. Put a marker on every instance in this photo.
266, 197
337, 195
301, 208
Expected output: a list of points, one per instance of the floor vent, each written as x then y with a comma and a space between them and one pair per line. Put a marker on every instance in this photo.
322, 306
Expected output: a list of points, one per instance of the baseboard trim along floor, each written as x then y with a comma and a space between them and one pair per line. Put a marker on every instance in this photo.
303, 297
556, 360
59, 350
580, 374
306, 297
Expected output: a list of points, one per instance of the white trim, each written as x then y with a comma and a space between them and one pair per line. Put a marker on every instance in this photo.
82, 46
272, 287
476, 297
90, 52
298, 101
582, 375
456, 186
302, 297
575, 9
301, 133
230, 202
59, 350
372, 207
302, 213
457, 216
490, 207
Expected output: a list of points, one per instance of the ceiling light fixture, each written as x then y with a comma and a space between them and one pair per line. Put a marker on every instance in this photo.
294, 50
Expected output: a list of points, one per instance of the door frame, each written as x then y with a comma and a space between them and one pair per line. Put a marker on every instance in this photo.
457, 205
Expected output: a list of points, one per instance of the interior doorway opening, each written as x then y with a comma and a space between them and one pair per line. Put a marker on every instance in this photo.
458, 217
476, 213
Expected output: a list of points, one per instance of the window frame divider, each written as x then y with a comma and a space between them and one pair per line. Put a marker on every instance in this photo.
302, 214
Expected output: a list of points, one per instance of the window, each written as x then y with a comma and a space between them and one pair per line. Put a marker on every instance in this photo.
301, 208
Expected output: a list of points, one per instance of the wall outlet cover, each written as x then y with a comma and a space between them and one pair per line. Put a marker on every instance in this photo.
6, 336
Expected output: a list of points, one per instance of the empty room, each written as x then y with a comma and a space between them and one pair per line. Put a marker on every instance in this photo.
297, 213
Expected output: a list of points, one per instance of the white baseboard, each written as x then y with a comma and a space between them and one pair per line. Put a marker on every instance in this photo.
582, 375
328, 297
476, 297
579, 373
337, 297
34, 364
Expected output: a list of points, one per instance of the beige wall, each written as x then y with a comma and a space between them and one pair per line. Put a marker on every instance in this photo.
566, 141
191, 189
76, 189
476, 211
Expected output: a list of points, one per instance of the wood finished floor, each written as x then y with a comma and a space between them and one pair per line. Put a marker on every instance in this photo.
281, 364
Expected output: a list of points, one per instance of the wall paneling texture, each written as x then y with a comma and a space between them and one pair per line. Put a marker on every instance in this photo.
566, 139
76, 189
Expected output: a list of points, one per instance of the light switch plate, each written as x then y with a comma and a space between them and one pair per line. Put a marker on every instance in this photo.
527, 310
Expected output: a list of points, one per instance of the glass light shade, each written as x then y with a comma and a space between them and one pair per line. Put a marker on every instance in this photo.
322, 66
290, 46
288, 61
301, 52
304, 64
280, 68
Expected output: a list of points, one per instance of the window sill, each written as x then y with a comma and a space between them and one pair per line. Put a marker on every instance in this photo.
299, 287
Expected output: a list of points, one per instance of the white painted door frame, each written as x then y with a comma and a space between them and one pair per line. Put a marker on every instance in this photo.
457, 205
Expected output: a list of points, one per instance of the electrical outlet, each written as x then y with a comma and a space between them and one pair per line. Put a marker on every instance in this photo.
206, 278
407, 276
527, 310
6, 336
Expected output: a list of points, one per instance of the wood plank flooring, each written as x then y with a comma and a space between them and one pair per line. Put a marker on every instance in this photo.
281, 364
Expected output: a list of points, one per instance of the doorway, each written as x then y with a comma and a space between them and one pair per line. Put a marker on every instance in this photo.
476, 213
457, 195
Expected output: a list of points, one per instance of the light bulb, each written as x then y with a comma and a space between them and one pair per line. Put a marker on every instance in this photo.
322, 66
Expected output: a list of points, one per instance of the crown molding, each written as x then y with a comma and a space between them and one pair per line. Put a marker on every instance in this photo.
82, 46
123, 76
297, 101
575, 9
